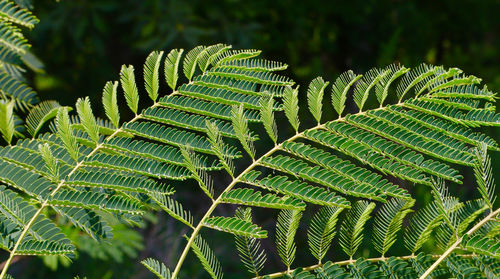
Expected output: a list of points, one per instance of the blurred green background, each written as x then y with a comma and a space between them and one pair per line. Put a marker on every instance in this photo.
83, 43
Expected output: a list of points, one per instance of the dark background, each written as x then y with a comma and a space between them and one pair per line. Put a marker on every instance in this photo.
84, 43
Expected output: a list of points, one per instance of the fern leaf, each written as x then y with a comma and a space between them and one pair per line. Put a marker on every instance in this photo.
340, 88
462, 268
191, 60
87, 119
388, 222
218, 147
484, 175
267, 117
15, 14
127, 80
322, 231
246, 196
172, 67
157, 268
34, 247
362, 90
50, 161
421, 226
482, 245
249, 248
240, 126
286, 228
291, 106
420, 74
209, 54
12, 38
40, 114
23, 96
235, 226
191, 163
207, 257
364, 269
315, 94
109, 102
351, 232
255, 65
7, 127
87, 220
382, 88
151, 74
65, 133
173, 208
236, 55
466, 91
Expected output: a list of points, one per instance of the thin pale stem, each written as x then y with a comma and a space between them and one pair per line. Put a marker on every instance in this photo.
457, 243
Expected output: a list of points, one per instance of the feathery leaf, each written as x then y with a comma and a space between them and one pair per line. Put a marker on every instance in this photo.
127, 80
151, 74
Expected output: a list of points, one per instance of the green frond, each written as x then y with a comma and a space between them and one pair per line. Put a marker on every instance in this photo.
489, 266
236, 226
397, 268
296, 189
482, 245
240, 127
251, 76
210, 54
201, 176
127, 80
207, 257
286, 228
364, 269
422, 262
291, 106
173, 208
315, 94
484, 175
351, 231
15, 14
422, 224
369, 81
236, 55
388, 222
219, 147
35, 247
157, 268
461, 268
261, 65
151, 74
382, 87
229, 84
249, 248
40, 114
466, 91
50, 161
421, 74
7, 128
267, 117
172, 67
87, 118
87, 220
322, 231
110, 104
12, 38
250, 197
10, 88
191, 60
340, 88
65, 133
441, 76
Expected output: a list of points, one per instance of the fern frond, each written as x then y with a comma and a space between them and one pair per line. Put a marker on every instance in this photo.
15, 14
418, 75
340, 88
236, 226
12, 38
207, 257
461, 268
209, 54
172, 67
388, 222
315, 94
369, 80
286, 228
240, 127
382, 88
482, 245
267, 117
191, 60
203, 179
291, 106
40, 114
127, 80
87, 220
87, 119
255, 65
351, 231
23, 96
322, 231
50, 161
109, 102
249, 248
157, 268
250, 197
65, 133
422, 224
219, 147
34, 247
151, 71
236, 55
173, 208
7, 128
484, 175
